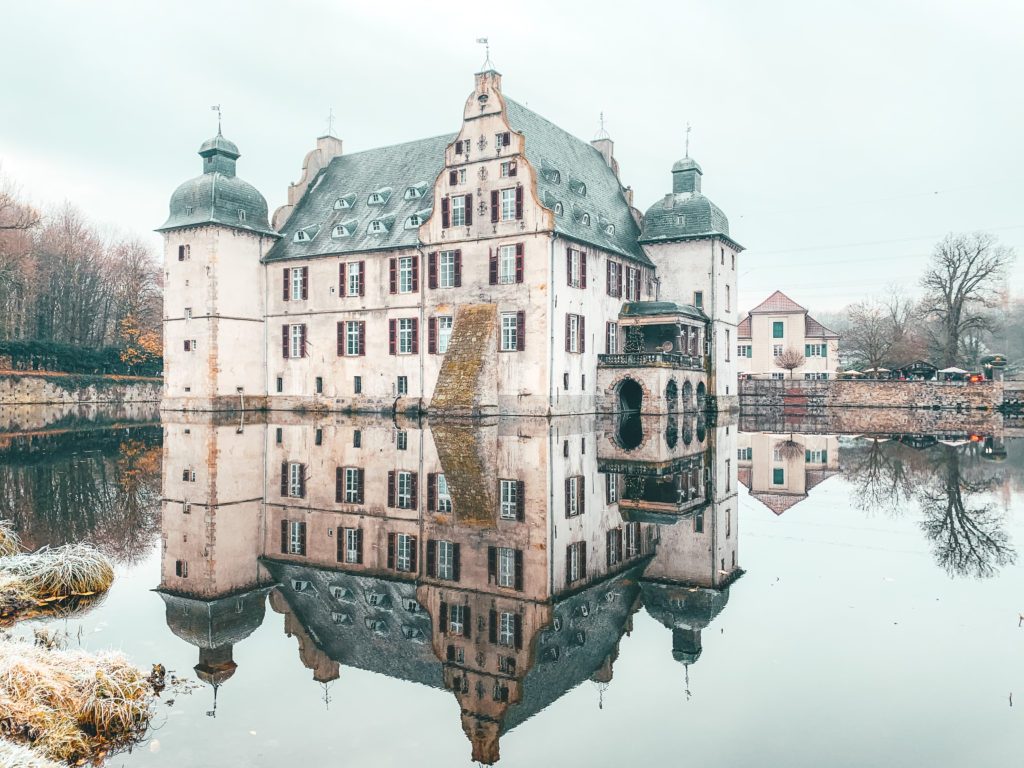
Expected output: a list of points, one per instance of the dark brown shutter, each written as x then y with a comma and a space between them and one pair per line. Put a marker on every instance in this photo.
520, 331
580, 495
391, 489
412, 490
392, 336
446, 216
494, 206
432, 269
362, 278
339, 486
458, 268
568, 266
286, 293
431, 557
583, 334
469, 210
512, 168
568, 505
519, 202
284, 537
519, 570
341, 339
608, 548
302, 481
568, 344
391, 550
393, 275
520, 500
305, 282
608, 278
457, 574
359, 532
492, 626
284, 341
432, 336
341, 279
432, 492
415, 335
442, 618
302, 539
302, 340
413, 552
583, 561
492, 565
362, 337
492, 266
360, 476
415, 273
517, 630
568, 564
520, 262
284, 478
583, 269
453, 177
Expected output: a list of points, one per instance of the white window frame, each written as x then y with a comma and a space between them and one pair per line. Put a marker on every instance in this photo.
445, 566
444, 499
445, 323
446, 269
574, 497
506, 629
352, 338
508, 204
353, 278
294, 479
458, 211
506, 567
509, 495
405, 333
295, 340
506, 169
296, 284
403, 552
403, 491
506, 264
405, 274
457, 619
509, 332
294, 537
351, 485
575, 269
575, 562
613, 338
777, 350
633, 293
351, 545
574, 333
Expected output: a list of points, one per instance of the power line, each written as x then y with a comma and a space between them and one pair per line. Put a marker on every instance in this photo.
874, 242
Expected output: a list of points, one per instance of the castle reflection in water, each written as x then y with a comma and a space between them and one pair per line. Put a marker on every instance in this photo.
501, 561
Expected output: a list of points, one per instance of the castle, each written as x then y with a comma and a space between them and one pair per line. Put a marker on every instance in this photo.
499, 270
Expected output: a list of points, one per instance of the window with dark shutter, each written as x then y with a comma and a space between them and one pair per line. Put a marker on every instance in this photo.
469, 210
339, 491
492, 266
391, 550
415, 335
362, 337
391, 490
519, 202
453, 177
520, 500
415, 273
284, 537
442, 621
305, 282
431, 558
583, 269
393, 275
520, 331
458, 268
362, 277
341, 279
517, 629
457, 576
432, 491
302, 340
492, 565
432, 269
286, 284
519, 570
392, 336
520, 262
341, 339
492, 627
284, 478
495, 207
446, 215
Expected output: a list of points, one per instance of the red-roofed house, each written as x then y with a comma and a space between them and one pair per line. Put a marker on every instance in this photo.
779, 324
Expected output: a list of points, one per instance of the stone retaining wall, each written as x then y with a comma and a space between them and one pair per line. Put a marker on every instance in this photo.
48, 388
802, 393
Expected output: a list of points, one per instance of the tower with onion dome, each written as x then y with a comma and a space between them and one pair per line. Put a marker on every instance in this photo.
215, 236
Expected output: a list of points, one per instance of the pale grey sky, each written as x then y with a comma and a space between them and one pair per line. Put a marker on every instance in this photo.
841, 138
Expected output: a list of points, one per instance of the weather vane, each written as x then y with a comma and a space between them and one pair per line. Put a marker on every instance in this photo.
216, 108
602, 132
687, 139
330, 122
488, 64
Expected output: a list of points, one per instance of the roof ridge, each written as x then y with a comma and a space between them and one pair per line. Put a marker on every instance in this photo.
554, 125
392, 146
777, 294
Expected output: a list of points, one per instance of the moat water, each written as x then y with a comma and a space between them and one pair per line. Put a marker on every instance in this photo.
569, 592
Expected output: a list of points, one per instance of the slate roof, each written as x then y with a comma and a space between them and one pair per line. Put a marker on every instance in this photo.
354, 178
564, 162
656, 308
215, 623
743, 329
778, 302
815, 330
699, 218
779, 502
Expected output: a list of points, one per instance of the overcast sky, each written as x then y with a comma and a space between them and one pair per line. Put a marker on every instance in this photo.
842, 139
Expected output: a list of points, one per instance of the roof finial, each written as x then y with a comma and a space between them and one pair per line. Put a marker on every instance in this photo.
488, 64
330, 122
216, 108
687, 138
602, 132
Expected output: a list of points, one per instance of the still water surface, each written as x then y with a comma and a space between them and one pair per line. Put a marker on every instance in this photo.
533, 592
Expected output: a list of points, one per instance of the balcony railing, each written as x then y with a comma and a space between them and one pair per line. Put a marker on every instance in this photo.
652, 360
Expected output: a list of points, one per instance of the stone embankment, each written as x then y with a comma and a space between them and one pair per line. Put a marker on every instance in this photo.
756, 394
38, 387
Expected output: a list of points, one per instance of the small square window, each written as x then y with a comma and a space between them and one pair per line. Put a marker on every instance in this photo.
319, 385
403, 385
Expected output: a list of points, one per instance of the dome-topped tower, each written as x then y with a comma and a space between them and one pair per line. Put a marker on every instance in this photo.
218, 196
685, 212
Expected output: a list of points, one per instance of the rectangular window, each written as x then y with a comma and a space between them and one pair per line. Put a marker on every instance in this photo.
402, 440
318, 384
506, 567
402, 386
444, 498
445, 323
188, 346
508, 204
404, 483
509, 331
698, 299
457, 619
296, 537
188, 313
612, 338
698, 521
728, 298
575, 269
357, 438
280, 384
502, 139
778, 329
614, 287
632, 539
355, 335
778, 476
574, 341
507, 264
445, 560
458, 211
354, 278
357, 385
776, 350
508, 169
509, 499
574, 504
406, 329
611, 488
614, 547
633, 284
184, 252
296, 480
353, 545
446, 269
297, 283
405, 268
404, 544
728, 345
353, 485
576, 562
296, 340
507, 629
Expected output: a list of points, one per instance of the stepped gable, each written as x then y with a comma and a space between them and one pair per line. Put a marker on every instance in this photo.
339, 196
572, 172
467, 384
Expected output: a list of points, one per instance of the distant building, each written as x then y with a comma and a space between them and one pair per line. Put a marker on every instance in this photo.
780, 470
777, 325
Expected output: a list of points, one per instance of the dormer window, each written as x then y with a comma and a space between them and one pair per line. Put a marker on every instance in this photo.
552, 176
578, 187
241, 214
413, 221
344, 202
380, 197
381, 225
302, 236
376, 225
586, 219
188, 210
609, 229
559, 209
340, 231
415, 192
680, 219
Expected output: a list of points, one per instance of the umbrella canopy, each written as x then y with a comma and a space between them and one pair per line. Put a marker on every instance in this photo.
877, 370
851, 373
953, 369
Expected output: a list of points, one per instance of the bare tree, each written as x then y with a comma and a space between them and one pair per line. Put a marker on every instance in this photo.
17, 220
869, 336
962, 281
790, 360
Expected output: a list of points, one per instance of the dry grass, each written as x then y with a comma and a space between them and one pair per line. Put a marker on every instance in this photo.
42, 581
10, 544
70, 705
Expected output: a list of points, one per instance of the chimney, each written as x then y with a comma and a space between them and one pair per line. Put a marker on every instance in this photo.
327, 148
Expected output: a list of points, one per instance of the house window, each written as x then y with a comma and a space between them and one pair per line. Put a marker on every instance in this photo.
404, 482
508, 169
611, 488
576, 269
457, 619
318, 383
280, 384
357, 385
188, 313
508, 204
576, 562
446, 269
458, 211
509, 499
698, 299
574, 333
612, 338
296, 480
444, 498
181, 568
778, 375
614, 287
698, 521
405, 274
184, 251
509, 332
357, 438
296, 340
506, 567
778, 329
354, 335
728, 345
776, 350
353, 545
745, 454
733, 256
445, 324
404, 544
633, 284
502, 139
353, 485
402, 440
188, 475
296, 537
507, 629
778, 476
297, 283
402, 386
728, 299
354, 278
190, 345
445, 560
406, 327
614, 542
632, 539
574, 504
507, 264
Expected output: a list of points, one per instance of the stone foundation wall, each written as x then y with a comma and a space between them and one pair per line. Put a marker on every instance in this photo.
871, 421
69, 389
801, 393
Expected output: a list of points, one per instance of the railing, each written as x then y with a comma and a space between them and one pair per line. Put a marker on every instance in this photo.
655, 359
